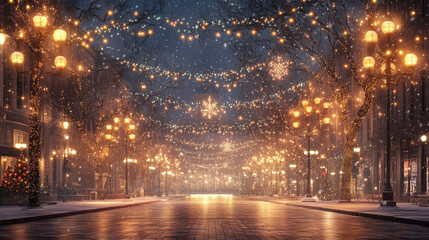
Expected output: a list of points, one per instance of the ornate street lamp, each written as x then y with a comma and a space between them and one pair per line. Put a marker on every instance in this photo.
308, 113
387, 71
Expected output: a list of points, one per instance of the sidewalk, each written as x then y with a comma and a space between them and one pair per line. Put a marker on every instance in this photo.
14, 214
403, 212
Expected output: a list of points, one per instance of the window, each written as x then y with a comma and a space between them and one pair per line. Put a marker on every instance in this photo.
19, 137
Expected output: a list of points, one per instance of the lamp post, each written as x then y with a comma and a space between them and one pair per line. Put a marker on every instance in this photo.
356, 150
39, 24
65, 167
387, 71
310, 112
424, 164
128, 136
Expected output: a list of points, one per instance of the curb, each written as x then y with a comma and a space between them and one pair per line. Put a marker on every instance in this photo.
66, 214
359, 214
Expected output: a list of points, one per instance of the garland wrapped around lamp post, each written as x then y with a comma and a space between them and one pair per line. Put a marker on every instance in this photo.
35, 43
311, 118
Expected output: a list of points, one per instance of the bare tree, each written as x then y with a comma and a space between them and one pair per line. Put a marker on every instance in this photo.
319, 37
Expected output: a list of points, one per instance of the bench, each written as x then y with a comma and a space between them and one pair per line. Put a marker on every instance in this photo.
420, 198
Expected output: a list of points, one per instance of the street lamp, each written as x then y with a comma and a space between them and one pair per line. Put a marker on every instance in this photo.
387, 71
424, 162
309, 111
129, 136
39, 22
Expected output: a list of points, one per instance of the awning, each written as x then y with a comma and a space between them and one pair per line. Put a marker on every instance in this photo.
11, 152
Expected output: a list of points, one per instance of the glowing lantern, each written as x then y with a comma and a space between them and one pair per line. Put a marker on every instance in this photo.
109, 127
308, 109
326, 105
17, 58
388, 27
296, 114
2, 38
296, 124
60, 62
40, 21
304, 103
368, 63
326, 120
410, 60
60, 35
317, 100
371, 37
132, 136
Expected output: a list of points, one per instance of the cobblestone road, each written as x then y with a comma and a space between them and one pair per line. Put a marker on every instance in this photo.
213, 217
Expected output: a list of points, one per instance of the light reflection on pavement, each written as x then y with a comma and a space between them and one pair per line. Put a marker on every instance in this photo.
214, 217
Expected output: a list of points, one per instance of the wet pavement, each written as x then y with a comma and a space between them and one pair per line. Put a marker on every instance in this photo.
213, 217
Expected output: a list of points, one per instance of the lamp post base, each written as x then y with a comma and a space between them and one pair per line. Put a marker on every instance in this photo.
388, 203
388, 198
308, 198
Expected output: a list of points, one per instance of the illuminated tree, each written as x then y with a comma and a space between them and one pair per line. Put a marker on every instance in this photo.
7, 181
321, 39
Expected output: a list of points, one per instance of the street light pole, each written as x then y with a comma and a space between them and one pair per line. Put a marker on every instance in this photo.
387, 191
308, 191
371, 38
126, 168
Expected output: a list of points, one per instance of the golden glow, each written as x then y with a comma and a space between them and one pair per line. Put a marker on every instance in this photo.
308, 109
296, 114
60, 62
40, 21
368, 63
2, 38
317, 100
392, 67
371, 37
116, 120
410, 60
326, 105
423, 138
132, 127
60, 35
326, 120
127, 120
296, 124
132, 136
20, 145
109, 127
388, 27
66, 125
108, 136
304, 103
17, 57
